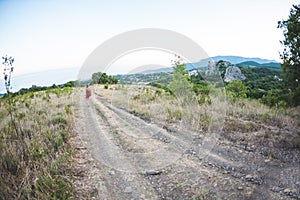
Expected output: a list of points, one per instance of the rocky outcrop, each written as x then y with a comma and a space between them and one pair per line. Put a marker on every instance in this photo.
233, 73
212, 68
227, 70
222, 63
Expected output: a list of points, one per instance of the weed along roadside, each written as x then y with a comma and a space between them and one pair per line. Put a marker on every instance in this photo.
36, 153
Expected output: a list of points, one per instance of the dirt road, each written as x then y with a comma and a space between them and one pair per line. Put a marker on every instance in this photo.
137, 158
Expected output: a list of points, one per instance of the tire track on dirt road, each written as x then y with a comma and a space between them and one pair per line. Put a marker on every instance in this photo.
119, 183
181, 141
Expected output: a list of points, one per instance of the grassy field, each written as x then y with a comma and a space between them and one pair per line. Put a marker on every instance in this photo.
36, 155
243, 120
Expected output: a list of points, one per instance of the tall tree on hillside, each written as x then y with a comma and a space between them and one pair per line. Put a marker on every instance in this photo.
180, 85
103, 78
291, 52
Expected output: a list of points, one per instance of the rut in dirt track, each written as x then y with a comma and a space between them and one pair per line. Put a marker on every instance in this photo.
97, 136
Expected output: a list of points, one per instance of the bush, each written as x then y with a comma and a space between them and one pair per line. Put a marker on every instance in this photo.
236, 89
58, 120
277, 98
106, 86
165, 88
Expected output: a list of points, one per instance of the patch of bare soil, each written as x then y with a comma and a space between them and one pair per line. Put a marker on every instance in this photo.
89, 182
122, 155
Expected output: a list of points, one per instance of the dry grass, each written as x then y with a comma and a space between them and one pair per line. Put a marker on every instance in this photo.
243, 119
35, 153
158, 105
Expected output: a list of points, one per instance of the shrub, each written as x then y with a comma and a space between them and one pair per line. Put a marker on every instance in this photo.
68, 109
236, 89
106, 86
277, 98
58, 120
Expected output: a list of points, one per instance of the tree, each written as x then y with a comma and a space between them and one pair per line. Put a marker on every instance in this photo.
236, 89
178, 67
180, 85
103, 78
276, 98
291, 52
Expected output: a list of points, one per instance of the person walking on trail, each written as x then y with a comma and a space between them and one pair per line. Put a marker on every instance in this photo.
88, 92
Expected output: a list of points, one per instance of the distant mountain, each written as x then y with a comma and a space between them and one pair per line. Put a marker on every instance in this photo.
255, 64
153, 71
233, 60
236, 60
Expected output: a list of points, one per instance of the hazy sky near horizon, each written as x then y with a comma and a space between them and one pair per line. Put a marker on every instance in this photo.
43, 35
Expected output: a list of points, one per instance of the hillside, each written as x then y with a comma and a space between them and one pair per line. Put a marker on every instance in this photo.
259, 79
273, 65
262, 82
60, 76
239, 59
236, 60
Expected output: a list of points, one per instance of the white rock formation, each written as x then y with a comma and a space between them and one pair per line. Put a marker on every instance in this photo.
233, 73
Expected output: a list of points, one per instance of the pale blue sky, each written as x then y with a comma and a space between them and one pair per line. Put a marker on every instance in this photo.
52, 34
